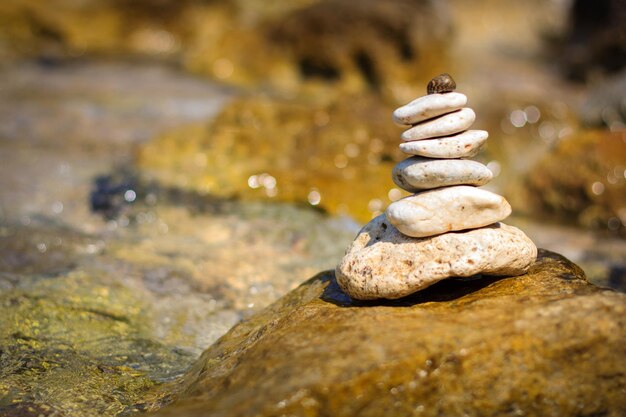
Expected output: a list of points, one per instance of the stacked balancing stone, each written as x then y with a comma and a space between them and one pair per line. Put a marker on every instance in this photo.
449, 227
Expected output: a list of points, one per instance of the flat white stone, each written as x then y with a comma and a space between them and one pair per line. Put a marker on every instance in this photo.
447, 209
384, 263
445, 125
463, 145
419, 173
427, 107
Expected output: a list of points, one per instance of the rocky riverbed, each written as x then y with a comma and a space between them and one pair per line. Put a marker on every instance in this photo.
145, 213
108, 305
110, 287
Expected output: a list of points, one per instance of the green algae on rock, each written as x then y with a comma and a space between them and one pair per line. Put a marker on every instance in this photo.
93, 325
545, 343
75, 344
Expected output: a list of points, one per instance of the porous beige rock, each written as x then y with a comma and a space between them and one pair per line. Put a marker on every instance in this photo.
462, 145
419, 173
384, 263
445, 125
447, 209
427, 107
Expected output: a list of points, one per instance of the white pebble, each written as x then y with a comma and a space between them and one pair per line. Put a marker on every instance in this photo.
427, 107
446, 125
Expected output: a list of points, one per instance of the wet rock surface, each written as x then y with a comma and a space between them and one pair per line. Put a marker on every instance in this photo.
109, 316
65, 125
81, 333
583, 180
544, 343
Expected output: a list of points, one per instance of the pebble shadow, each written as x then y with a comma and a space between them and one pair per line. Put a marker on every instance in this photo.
443, 291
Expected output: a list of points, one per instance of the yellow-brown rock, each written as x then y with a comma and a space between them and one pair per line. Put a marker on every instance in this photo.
285, 44
334, 155
583, 180
545, 343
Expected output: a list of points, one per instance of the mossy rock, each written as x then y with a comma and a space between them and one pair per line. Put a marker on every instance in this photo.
70, 345
93, 27
337, 155
545, 343
369, 45
92, 324
583, 180
363, 46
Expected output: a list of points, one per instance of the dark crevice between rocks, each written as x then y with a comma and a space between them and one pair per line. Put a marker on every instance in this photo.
617, 278
312, 68
109, 196
594, 40
29, 409
366, 66
109, 199
406, 50
601, 413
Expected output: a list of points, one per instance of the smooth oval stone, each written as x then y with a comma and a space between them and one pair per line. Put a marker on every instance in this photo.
463, 145
419, 173
383, 263
433, 212
427, 107
445, 125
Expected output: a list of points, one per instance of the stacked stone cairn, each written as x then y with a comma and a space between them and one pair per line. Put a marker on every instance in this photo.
448, 227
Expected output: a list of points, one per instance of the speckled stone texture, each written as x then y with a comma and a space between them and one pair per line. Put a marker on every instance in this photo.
462, 145
546, 343
419, 173
384, 263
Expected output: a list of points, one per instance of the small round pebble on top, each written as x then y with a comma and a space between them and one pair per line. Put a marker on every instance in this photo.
442, 83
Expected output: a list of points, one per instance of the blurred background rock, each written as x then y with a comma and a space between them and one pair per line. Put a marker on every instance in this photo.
173, 166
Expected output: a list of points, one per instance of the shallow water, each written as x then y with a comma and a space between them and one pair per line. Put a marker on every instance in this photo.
116, 301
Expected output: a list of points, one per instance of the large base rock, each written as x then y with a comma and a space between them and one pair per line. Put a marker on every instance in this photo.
543, 344
384, 263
